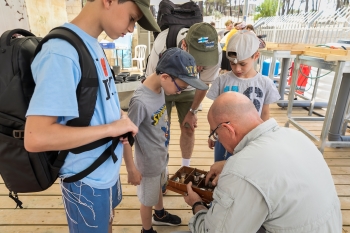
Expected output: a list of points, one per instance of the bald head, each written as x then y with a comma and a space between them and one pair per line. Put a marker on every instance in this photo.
233, 105
241, 114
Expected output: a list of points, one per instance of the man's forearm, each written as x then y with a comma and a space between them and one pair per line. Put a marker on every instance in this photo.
197, 222
198, 98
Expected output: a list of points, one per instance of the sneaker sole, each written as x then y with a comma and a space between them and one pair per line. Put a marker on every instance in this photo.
164, 223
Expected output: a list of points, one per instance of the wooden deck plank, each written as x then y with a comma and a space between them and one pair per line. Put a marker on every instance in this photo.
48, 210
122, 217
64, 229
171, 201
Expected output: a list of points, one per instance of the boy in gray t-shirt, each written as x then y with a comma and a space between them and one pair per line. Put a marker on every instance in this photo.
242, 52
176, 69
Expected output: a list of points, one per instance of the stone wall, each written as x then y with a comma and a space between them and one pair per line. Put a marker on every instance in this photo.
40, 16
44, 15
73, 8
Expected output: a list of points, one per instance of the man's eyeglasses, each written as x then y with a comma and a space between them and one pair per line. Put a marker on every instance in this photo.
213, 135
179, 89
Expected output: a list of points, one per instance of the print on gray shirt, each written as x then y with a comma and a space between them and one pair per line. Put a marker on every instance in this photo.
259, 89
147, 111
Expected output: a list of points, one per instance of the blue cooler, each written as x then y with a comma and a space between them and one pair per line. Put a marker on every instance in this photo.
106, 45
266, 66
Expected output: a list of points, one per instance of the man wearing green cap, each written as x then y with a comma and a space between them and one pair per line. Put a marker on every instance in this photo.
89, 202
201, 41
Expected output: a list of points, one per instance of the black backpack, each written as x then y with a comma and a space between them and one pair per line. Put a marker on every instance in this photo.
23, 171
175, 17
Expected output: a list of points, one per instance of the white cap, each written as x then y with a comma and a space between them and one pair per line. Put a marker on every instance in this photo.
244, 43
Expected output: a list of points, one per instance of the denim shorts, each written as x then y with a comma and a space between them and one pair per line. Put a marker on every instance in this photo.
89, 209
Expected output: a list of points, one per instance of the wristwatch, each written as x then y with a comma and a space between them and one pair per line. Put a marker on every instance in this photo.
193, 111
199, 203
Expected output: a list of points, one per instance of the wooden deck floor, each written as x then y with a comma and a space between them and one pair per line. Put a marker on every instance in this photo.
43, 212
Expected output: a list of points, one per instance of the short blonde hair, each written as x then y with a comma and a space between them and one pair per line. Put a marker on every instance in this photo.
228, 22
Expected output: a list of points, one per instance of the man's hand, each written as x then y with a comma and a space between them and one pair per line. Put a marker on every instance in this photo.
192, 197
134, 177
190, 120
211, 143
215, 170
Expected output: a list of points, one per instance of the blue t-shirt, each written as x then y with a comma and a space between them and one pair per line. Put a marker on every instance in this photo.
56, 72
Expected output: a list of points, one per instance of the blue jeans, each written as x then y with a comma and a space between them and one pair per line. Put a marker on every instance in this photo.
88, 209
220, 152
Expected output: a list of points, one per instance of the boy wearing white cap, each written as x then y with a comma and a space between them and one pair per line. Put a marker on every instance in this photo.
242, 52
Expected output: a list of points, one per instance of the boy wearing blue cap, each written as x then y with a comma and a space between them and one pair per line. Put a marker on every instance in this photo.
175, 70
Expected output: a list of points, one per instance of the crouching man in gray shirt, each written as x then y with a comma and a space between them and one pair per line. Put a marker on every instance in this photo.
276, 181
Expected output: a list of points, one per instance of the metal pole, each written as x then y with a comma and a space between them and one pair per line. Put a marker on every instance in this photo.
245, 10
149, 42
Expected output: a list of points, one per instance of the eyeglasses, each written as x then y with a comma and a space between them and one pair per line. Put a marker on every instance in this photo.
213, 135
179, 89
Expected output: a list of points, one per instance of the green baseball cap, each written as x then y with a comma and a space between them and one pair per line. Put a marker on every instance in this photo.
202, 43
147, 21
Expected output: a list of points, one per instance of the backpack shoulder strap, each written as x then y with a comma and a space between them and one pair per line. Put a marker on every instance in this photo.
86, 91
88, 85
172, 35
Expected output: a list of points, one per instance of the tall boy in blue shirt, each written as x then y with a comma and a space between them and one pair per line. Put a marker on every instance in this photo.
88, 203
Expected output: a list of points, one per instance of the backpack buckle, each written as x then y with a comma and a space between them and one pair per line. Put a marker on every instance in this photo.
18, 133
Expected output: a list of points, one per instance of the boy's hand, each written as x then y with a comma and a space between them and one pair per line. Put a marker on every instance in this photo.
211, 143
134, 177
122, 126
190, 121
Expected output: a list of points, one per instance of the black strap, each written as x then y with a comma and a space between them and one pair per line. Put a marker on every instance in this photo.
90, 146
88, 86
7, 36
103, 157
172, 35
6, 130
15, 198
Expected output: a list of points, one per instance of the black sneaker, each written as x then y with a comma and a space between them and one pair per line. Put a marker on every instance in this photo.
152, 231
167, 219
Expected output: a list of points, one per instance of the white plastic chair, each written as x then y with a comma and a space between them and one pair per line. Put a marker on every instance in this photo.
140, 53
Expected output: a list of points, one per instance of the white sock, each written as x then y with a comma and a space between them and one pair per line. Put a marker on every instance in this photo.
186, 162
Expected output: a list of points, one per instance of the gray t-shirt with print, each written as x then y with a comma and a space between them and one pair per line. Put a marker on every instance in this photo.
147, 111
259, 89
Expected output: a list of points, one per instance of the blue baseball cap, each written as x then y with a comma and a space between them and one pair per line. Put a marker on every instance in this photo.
180, 64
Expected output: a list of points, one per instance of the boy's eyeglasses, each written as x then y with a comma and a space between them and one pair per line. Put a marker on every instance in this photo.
179, 89
213, 135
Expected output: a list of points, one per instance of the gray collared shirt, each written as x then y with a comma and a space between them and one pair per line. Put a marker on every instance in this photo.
277, 179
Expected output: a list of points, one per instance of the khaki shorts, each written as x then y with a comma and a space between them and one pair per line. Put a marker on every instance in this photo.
149, 189
182, 102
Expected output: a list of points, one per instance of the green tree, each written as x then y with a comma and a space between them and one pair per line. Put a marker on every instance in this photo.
267, 8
